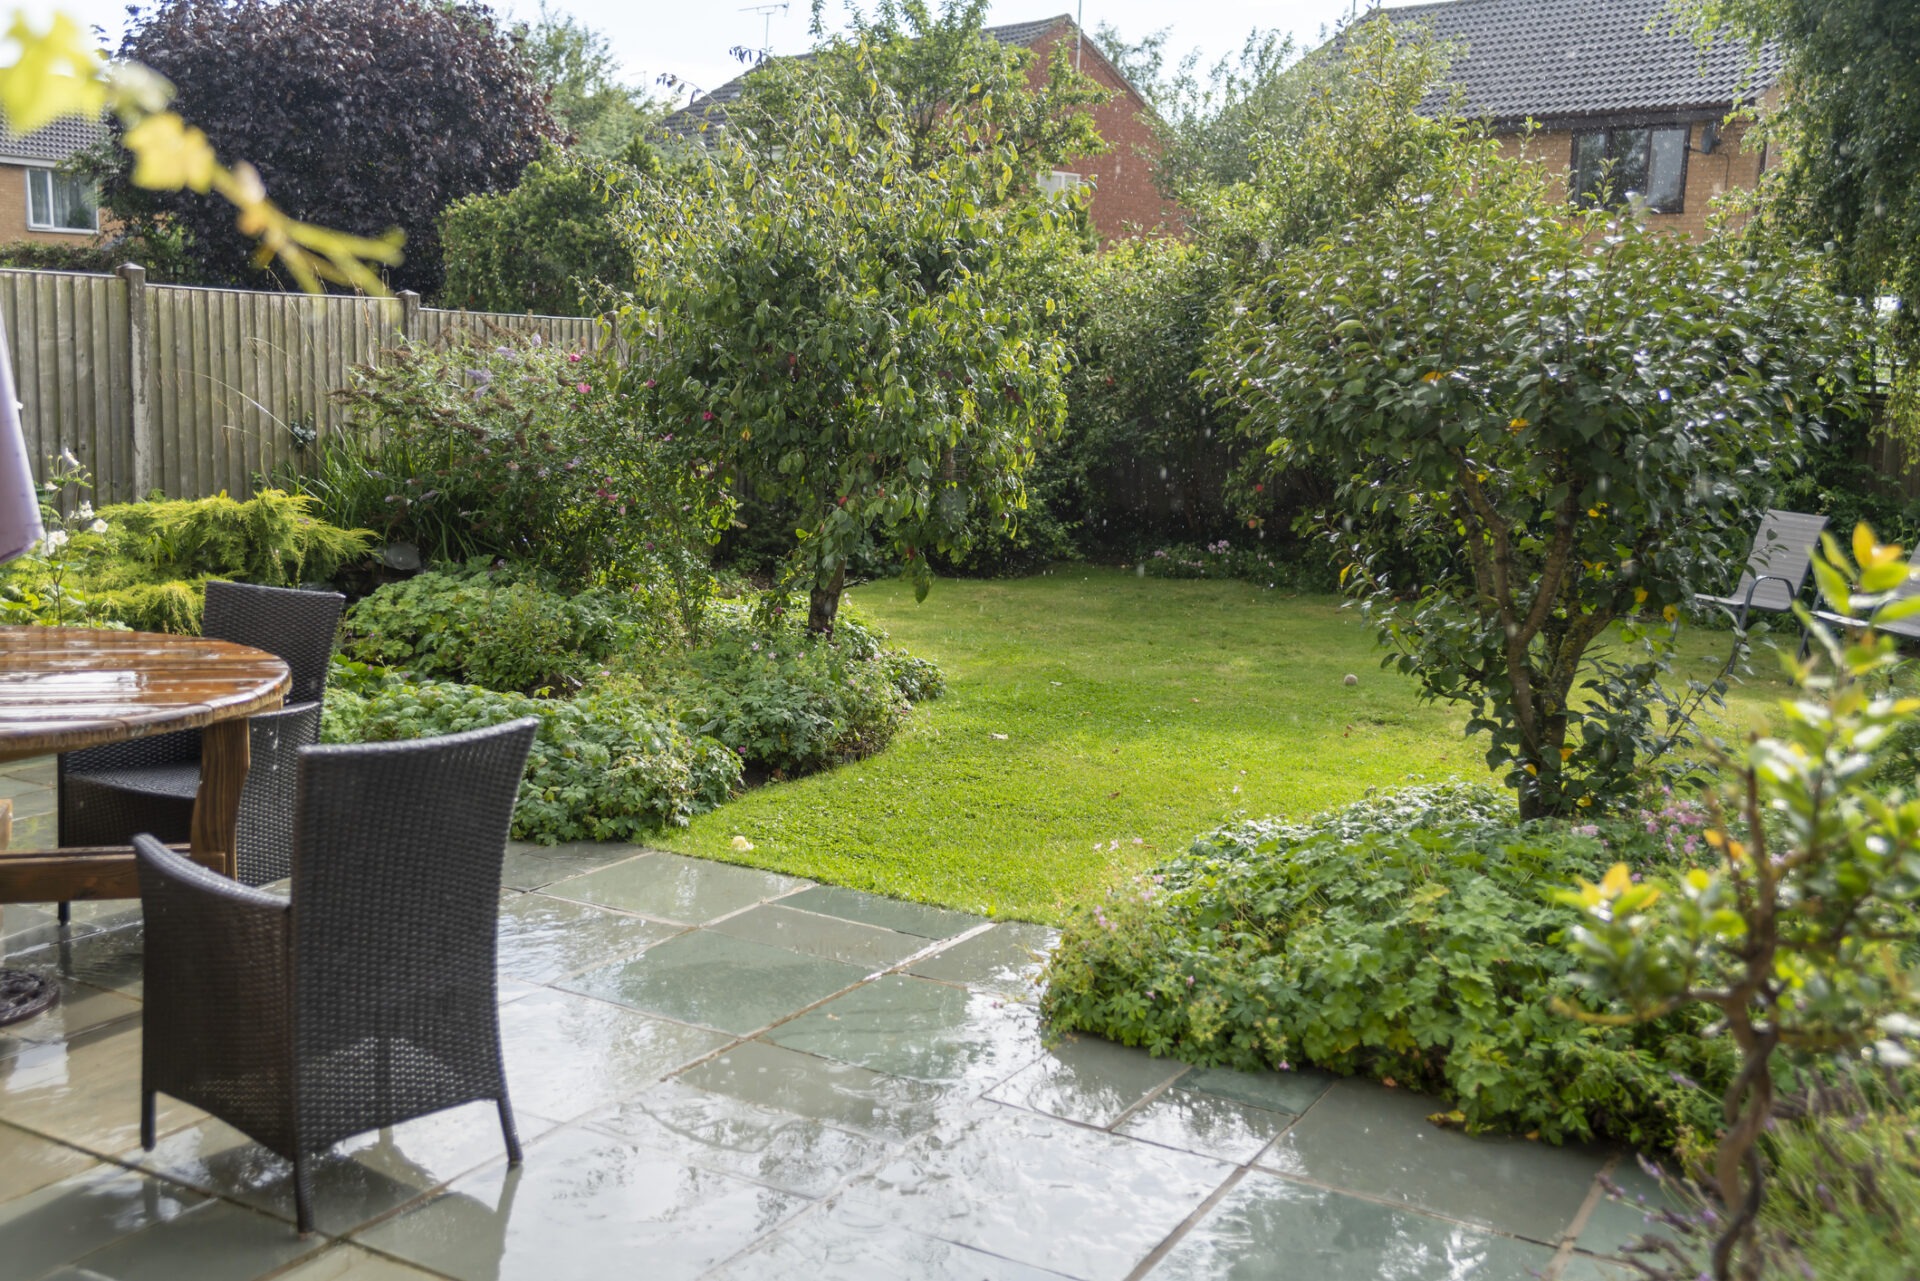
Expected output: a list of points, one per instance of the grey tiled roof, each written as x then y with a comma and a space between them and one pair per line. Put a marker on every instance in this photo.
52, 143
710, 109
1557, 58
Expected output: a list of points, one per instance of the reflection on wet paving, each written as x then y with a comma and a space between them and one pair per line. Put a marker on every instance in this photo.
725, 1073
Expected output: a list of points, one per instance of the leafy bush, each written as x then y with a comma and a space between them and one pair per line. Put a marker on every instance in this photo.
1409, 938
603, 766
544, 246
789, 701
474, 629
514, 448
1307, 568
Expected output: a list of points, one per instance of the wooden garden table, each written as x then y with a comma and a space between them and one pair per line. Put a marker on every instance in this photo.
65, 688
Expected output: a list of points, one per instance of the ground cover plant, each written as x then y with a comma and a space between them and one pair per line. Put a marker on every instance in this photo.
1135, 712
1408, 937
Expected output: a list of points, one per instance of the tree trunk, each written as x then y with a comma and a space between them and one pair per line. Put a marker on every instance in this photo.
823, 602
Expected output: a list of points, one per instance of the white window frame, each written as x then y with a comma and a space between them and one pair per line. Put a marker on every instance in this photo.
32, 172
1058, 182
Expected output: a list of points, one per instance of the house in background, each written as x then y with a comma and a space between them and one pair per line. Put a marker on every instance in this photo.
1621, 104
38, 200
1124, 197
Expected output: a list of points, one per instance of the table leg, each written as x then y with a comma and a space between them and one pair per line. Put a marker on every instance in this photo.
216, 810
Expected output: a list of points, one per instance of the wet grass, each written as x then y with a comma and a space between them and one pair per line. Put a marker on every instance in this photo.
1094, 723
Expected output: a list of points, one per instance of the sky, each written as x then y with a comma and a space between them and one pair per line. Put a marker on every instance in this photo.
690, 40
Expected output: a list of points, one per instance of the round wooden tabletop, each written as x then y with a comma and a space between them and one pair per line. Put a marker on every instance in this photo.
63, 688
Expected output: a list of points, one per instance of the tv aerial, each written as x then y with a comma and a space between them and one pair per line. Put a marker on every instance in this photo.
766, 12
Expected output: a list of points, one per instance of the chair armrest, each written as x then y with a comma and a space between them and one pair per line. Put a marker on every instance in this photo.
1793, 589
192, 889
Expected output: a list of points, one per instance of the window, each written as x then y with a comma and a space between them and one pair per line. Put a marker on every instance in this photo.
1059, 182
1610, 165
61, 202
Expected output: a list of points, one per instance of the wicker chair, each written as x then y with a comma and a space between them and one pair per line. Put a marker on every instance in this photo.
366, 999
148, 784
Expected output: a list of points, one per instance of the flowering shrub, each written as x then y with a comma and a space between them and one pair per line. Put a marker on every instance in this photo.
1406, 938
515, 448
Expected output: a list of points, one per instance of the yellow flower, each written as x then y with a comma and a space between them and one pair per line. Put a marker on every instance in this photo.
1516, 424
1533, 769
1670, 613
1432, 376
1594, 512
1639, 595
1566, 753
1584, 801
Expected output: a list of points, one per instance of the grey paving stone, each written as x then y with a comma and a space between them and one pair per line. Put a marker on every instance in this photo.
888, 913
1294, 1091
1085, 1079
915, 1028
1368, 1139
1005, 959
718, 981
568, 1055
1038, 1191
718, 1132
668, 887
829, 937
544, 938
71, 1218
842, 1094
835, 1245
215, 1241
585, 1204
1270, 1228
1207, 1124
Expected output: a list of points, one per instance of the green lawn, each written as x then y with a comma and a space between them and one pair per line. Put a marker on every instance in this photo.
1094, 722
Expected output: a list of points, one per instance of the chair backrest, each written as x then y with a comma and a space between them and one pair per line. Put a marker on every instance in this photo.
1782, 549
397, 853
297, 626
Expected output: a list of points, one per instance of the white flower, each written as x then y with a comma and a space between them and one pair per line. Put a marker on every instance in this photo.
56, 539
67, 459
98, 527
86, 510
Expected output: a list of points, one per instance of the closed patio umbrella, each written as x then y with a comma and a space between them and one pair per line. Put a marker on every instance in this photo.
20, 526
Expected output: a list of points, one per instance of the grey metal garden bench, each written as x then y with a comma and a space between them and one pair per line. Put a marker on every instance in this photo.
1777, 567
369, 997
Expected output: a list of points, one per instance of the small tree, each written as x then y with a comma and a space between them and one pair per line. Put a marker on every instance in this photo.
847, 331
365, 115
1799, 935
1576, 416
602, 116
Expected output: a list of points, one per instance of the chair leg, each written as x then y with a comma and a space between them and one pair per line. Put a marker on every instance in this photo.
66, 914
302, 1196
146, 1119
508, 1132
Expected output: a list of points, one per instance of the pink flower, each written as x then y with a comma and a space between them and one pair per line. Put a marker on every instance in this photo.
573, 358
584, 388
706, 416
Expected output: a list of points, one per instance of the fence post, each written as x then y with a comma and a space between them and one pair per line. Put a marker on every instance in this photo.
409, 314
138, 368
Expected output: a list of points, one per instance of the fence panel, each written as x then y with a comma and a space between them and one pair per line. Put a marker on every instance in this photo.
191, 390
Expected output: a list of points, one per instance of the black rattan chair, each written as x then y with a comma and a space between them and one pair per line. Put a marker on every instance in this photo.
366, 999
148, 784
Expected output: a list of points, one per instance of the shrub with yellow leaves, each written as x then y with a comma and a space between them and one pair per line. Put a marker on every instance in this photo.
1798, 932
59, 74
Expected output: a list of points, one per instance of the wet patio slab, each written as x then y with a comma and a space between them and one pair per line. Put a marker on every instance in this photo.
729, 1074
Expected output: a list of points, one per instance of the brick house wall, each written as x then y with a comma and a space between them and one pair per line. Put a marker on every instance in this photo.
1731, 166
1125, 201
13, 212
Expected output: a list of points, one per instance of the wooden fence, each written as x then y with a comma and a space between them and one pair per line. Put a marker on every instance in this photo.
192, 391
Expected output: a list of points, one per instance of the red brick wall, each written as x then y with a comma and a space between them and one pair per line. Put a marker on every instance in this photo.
1730, 166
1124, 197
13, 212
